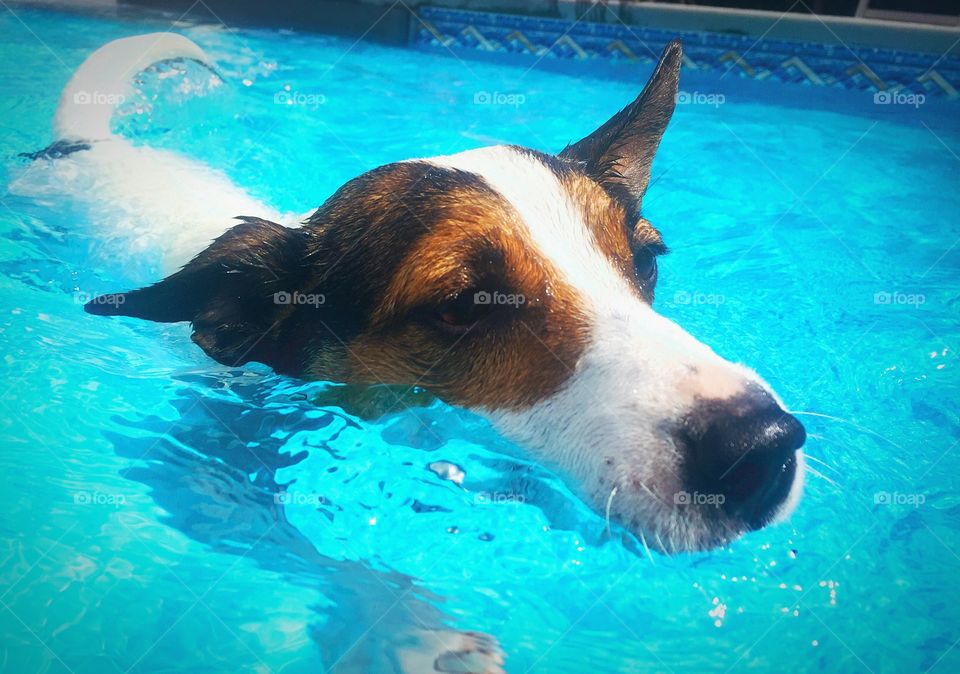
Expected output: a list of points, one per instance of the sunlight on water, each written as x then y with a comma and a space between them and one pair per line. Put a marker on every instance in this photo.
161, 512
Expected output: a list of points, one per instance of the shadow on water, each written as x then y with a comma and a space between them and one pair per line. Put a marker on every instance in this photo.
213, 472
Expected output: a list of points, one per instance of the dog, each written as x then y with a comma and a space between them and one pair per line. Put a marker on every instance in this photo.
516, 284
508, 281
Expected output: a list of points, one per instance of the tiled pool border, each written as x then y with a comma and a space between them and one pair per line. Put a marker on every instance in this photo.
884, 59
888, 73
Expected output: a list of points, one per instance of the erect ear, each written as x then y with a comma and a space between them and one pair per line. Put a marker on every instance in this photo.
620, 152
237, 294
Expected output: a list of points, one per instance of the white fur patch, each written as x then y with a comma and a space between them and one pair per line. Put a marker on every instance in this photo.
139, 201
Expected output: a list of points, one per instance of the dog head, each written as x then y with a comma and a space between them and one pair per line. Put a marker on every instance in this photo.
519, 285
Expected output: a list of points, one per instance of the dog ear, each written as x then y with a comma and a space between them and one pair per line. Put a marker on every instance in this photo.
233, 293
620, 152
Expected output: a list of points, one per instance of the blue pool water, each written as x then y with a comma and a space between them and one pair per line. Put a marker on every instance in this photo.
161, 513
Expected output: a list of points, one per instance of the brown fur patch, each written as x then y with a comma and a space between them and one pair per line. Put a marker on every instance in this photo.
517, 354
466, 238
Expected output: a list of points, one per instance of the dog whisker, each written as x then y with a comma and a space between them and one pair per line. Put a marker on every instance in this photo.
846, 421
646, 548
731, 532
821, 462
648, 490
823, 477
613, 492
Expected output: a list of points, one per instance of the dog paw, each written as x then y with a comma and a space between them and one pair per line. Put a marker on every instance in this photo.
454, 652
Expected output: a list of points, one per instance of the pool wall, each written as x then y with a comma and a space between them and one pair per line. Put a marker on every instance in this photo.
892, 74
897, 61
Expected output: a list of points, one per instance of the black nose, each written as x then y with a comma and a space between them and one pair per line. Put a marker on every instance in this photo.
745, 450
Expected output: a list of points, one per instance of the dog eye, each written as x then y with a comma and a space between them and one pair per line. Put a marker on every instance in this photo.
645, 267
463, 311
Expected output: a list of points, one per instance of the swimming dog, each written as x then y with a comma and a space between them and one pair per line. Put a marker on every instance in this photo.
509, 281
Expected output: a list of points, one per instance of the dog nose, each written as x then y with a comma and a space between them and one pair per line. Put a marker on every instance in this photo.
745, 450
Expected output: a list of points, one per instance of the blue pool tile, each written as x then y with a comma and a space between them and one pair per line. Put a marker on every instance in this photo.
831, 64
